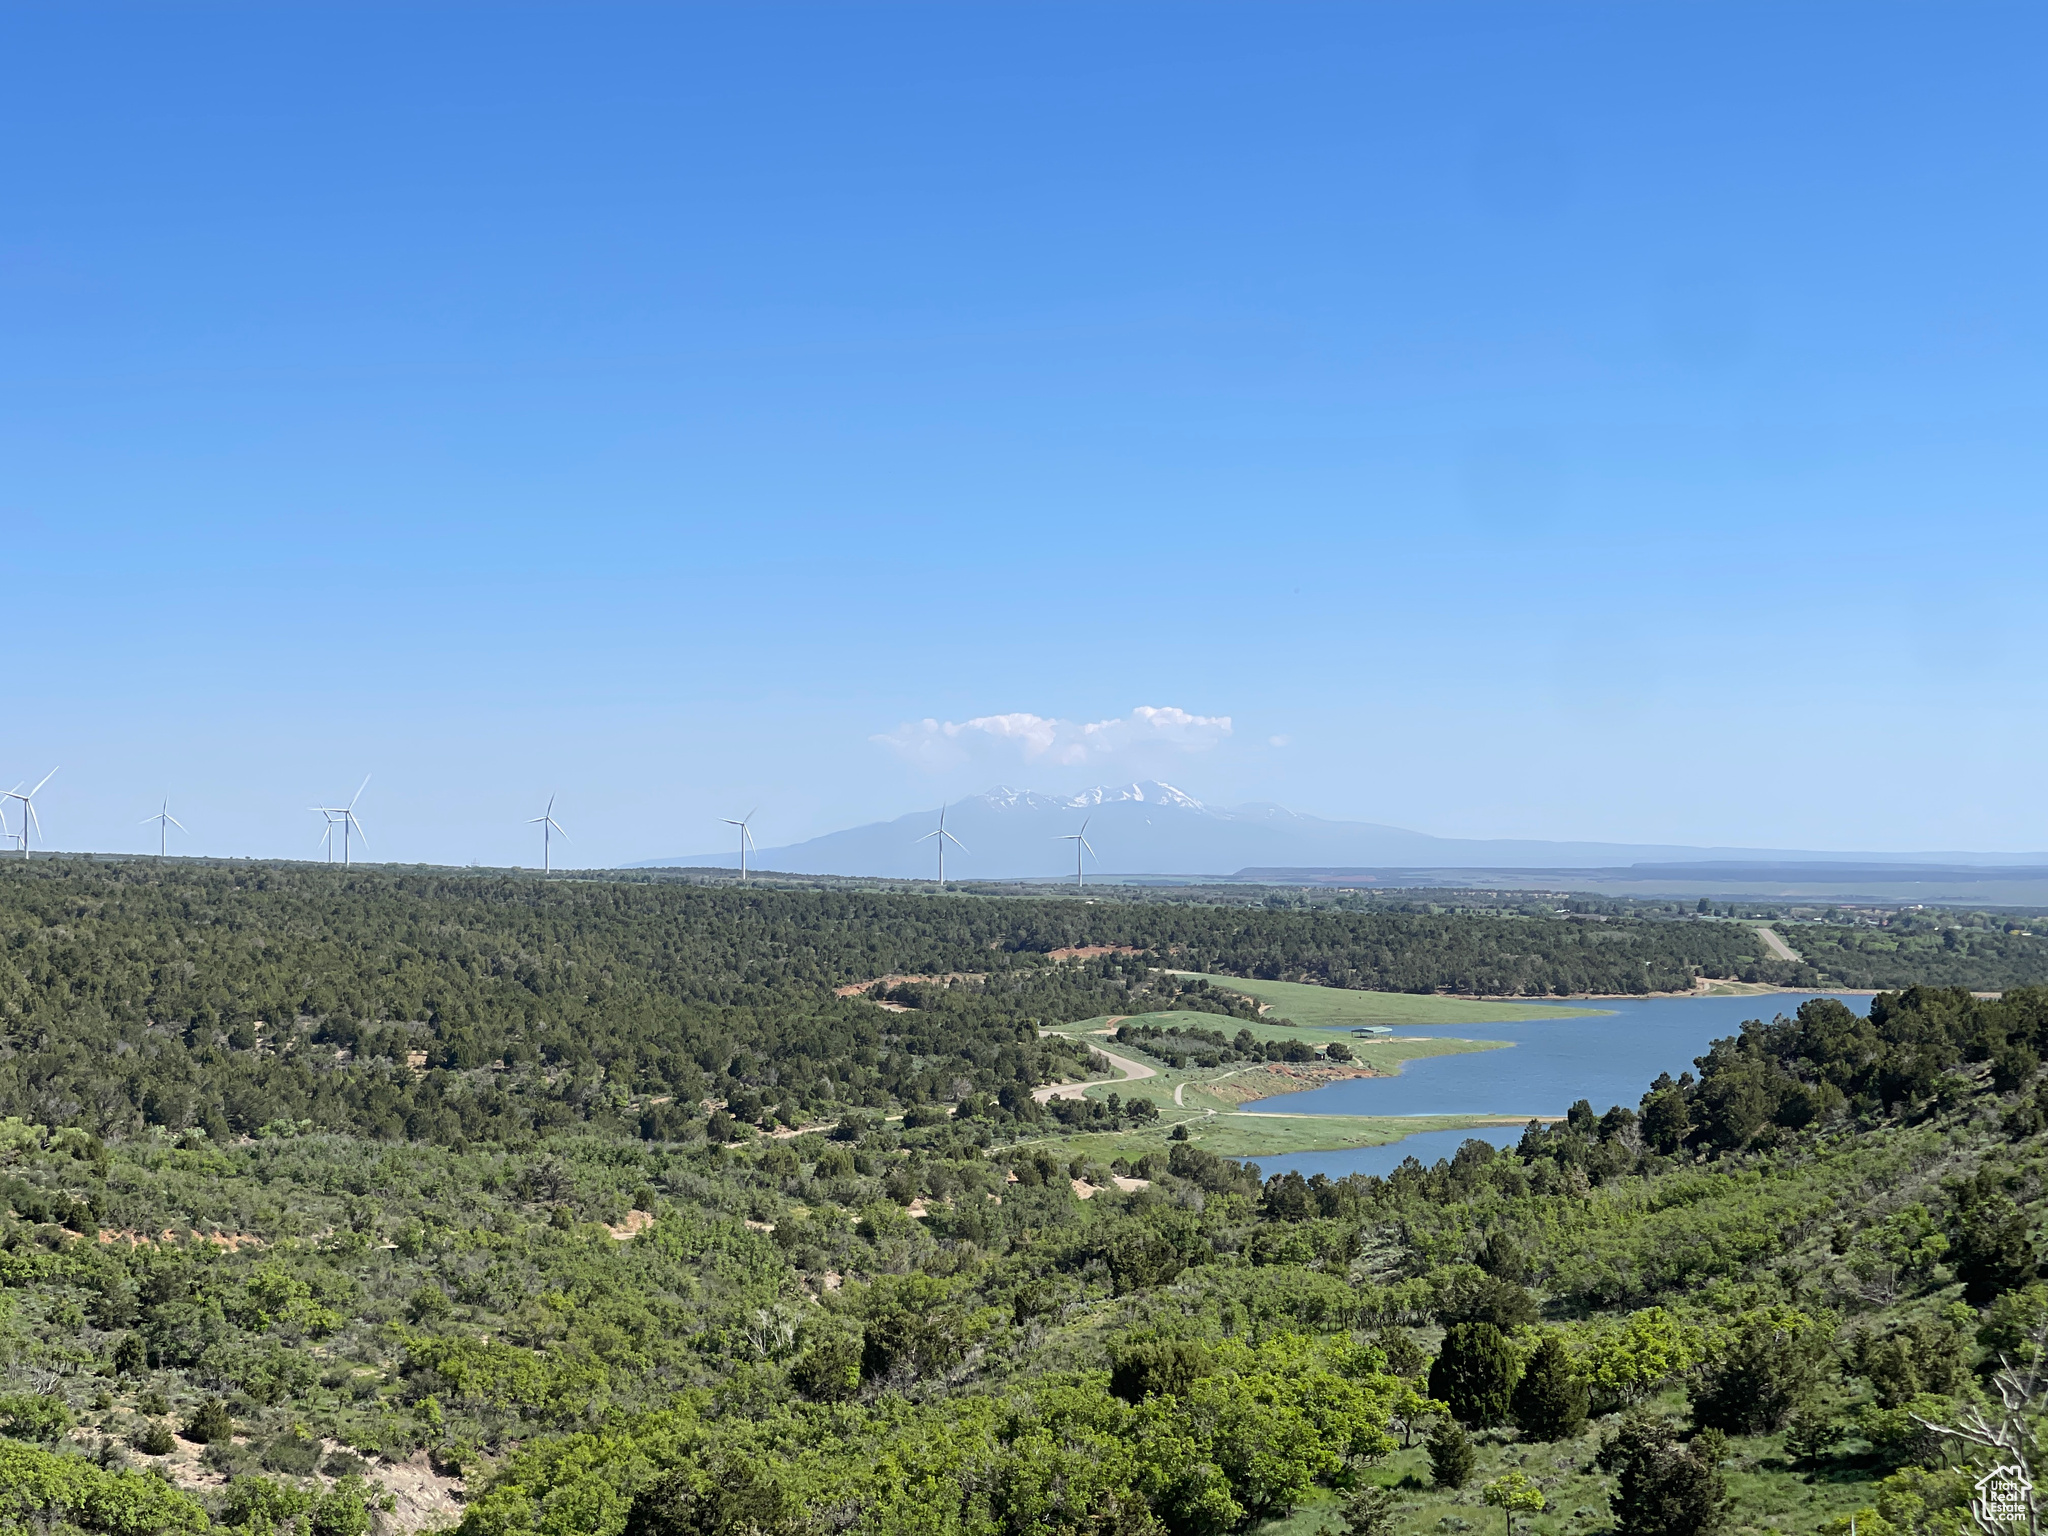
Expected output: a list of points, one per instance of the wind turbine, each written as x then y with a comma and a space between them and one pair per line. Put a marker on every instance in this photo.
326, 837
1080, 841
345, 816
548, 826
164, 822
943, 835
28, 807
746, 839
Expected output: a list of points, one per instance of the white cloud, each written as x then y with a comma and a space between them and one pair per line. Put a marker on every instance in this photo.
1145, 731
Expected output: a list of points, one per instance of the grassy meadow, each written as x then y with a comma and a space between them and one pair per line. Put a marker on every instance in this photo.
1207, 1100
1314, 1007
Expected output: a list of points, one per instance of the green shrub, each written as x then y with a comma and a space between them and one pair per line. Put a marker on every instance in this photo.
34, 1416
1452, 1459
1759, 1378
153, 1439
344, 1463
1663, 1488
292, 1454
41, 1490
829, 1371
211, 1425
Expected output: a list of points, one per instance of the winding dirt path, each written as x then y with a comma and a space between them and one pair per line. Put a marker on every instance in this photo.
1132, 1071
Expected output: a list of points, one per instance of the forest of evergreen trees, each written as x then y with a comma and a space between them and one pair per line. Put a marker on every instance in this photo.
459, 1008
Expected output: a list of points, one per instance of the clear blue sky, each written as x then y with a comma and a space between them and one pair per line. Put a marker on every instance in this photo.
1553, 420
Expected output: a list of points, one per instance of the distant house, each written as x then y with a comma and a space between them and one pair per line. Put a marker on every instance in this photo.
1373, 1029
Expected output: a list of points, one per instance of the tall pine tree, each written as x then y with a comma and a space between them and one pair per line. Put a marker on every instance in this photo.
1549, 1402
1474, 1373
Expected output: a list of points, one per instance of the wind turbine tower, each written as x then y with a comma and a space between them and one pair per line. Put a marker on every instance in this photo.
943, 836
548, 826
28, 808
343, 816
746, 838
164, 822
1081, 845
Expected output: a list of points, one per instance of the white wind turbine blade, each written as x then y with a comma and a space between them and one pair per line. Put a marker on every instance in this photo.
359, 828
174, 821
1089, 846
957, 843
40, 783
352, 799
558, 827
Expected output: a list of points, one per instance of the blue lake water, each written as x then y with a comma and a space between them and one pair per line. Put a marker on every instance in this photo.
1609, 1058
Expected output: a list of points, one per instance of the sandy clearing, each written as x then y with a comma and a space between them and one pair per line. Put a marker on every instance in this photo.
853, 988
233, 1242
426, 1500
635, 1223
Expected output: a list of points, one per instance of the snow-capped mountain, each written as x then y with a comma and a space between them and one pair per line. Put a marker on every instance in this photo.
1145, 792
1150, 828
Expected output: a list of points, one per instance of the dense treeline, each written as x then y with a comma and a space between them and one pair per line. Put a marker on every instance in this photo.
1923, 950
460, 1008
456, 1010
237, 996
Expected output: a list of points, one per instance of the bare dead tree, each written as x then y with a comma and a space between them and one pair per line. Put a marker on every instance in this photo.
2014, 1435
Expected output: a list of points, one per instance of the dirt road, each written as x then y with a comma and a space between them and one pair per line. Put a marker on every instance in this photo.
1132, 1071
1779, 949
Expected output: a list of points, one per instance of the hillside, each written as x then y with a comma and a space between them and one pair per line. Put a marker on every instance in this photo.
572, 1207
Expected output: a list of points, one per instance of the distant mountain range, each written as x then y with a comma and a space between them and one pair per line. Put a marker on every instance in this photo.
1149, 828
